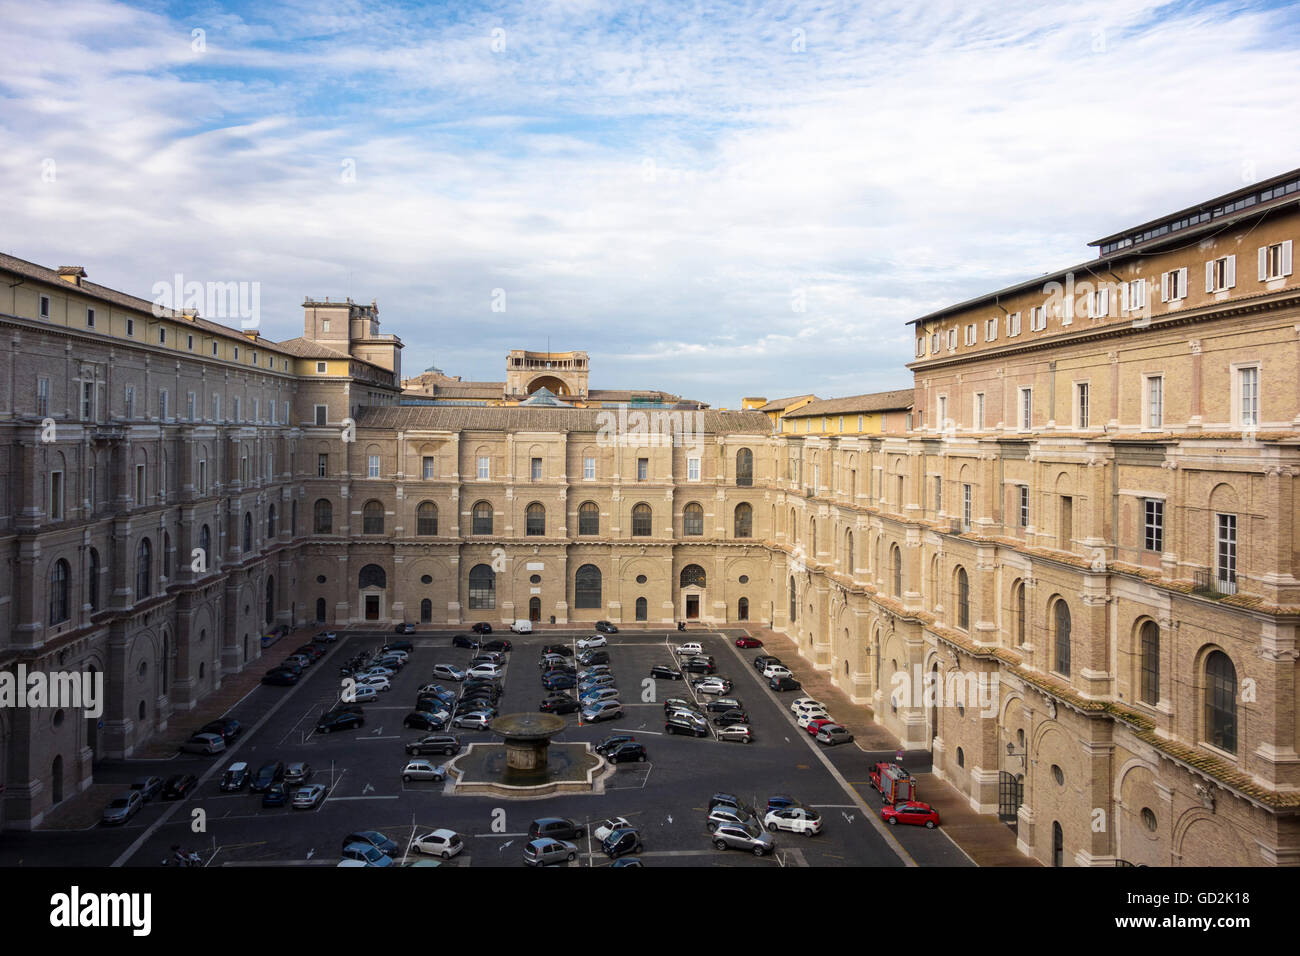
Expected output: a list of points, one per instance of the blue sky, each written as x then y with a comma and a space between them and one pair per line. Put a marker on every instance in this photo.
660, 184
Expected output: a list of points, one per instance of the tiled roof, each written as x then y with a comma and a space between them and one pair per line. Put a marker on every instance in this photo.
306, 348
873, 402
780, 404
526, 418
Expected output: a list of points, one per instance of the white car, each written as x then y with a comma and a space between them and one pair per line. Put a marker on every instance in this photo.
795, 819
476, 720
448, 672
443, 843
804, 703
713, 685
377, 670
777, 670
329, 637
605, 827
359, 694
522, 627
399, 654
376, 681
806, 717
485, 670
596, 640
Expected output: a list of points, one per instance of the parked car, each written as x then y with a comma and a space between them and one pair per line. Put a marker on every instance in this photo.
699, 665
148, 787
587, 658
595, 680
607, 826
556, 828
596, 640
326, 637
805, 703
917, 814
606, 627
620, 842
559, 682
375, 683
602, 710
179, 786
679, 723
832, 734
482, 627
664, 672
564, 650
610, 742
371, 838
522, 627
593, 671
484, 670
359, 693
783, 683
721, 799
276, 795
443, 843
477, 720
267, 774
309, 797
733, 836
122, 808
597, 694
546, 851
671, 703
763, 660
227, 727
460, 640
277, 677
729, 717
204, 744
795, 819
807, 718
816, 724
403, 645
713, 685
423, 770
630, 751
723, 814
366, 854
298, 773
444, 744
720, 705
498, 645
736, 732
448, 672
689, 649
488, 657
423, 720
404, 628
559, 704
236, 777
776, 670
748, 642
339, 720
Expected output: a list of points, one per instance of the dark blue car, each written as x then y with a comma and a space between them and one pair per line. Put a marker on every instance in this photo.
559, 681
277, 795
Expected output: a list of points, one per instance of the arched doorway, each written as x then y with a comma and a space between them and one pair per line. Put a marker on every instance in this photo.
535, 609
642, 609
1058, 845
320, 610
692, 585
371, 584
426, 611
742, 610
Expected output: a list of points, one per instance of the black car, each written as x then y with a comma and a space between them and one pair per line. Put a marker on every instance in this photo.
500, 646
434, 744
406, 646
236, 778
781, 801
291, 666
593, 657
606, 627
699, 665
404, 628
557, 828
732, 801
276, 795
276, 677
482, 627
179, 786
729, 717
664, 672
460, 640
721, 705
680, 725
629, 750
433, 704
148, 787
762, 660
266, 775
339, 720
559, 704
609, 743
227, 728
489, 657
564, 650
621, 841
626, 861
371, 838
784, 683
422, 720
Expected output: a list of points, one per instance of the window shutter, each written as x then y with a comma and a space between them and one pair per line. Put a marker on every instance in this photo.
1209, 276
1263, 263
1182, 280
1164, 286
1125, 302
1105, 302
1286, 258
1231, 272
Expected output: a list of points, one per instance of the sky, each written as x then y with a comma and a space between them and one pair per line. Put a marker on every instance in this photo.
715, 199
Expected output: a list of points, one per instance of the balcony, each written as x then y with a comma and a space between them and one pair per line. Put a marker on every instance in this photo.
1214, 583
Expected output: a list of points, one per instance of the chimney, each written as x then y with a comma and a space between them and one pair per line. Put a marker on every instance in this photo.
72, 274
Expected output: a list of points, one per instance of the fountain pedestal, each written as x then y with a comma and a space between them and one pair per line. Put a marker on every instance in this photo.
522, 766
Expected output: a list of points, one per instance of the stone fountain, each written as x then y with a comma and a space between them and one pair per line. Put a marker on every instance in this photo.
527, 763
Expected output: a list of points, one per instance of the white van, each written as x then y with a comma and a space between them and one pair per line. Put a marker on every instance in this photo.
686, 650
522, 627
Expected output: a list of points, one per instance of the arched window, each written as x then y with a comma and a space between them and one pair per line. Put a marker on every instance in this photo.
586, 587
167, 555
1221, 702
482, 518
794, 602
642, 609
1061, 643
1058, 845
589, 518
205, 545
1149, 649
372, 518
59, 592
482, 588
896, 564
248, 531
693, 519
426, 611
426, 518
270, 522
812, 538
848, 552
742, 609
143, 569
744, 468
372, 576
535, 520
641, 520
320, 610
1021, 626
93, 584
692, 576
270, 598
323, 517
744, 520
963, 600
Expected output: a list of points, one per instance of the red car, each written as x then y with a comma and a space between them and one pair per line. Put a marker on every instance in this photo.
748, 642
816, 725
919, 814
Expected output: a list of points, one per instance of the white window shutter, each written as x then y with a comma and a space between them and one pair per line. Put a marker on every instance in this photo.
1263, 263
1124, 300
1231, 272
1182, 280
1286, 258
1164, 286
1209, 276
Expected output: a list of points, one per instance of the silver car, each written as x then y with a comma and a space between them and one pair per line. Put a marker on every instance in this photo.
546, 851
423, 770
734, 836
721, 815
204, 744
122, 808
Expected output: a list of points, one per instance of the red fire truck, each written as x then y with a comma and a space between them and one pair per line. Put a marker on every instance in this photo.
895, 784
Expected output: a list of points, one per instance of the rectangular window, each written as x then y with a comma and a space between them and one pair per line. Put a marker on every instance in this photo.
235, 350
216, 408
162, 404
972, 334
1275, 261
1099, 303
943, 411
1024, 506
234, 409
215, 347
322, 465
88, 401
130, 327
938, 494
45, 307
1013, 324
934, 343
692, 469
1155, 401
643, 469
860, 424
1081, 405
90, 489
257, 410
1226, 553
139, 485
920, 346
286, 412
484, 470
428, 467
372, 466
589, 469
252, 357
1066, 530
56, 496
90, 318
203, 476
270, 407
324, 325
1135, 295
189, 342
322, 413
990, 330
1248, 396
979, 411
1173, 285
952, 338
320, 368
1026, 409
162, 335
1037, 318
191, 405
130, 401
1221, 274
536, 470
1153, 535
42, 397
965, 507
